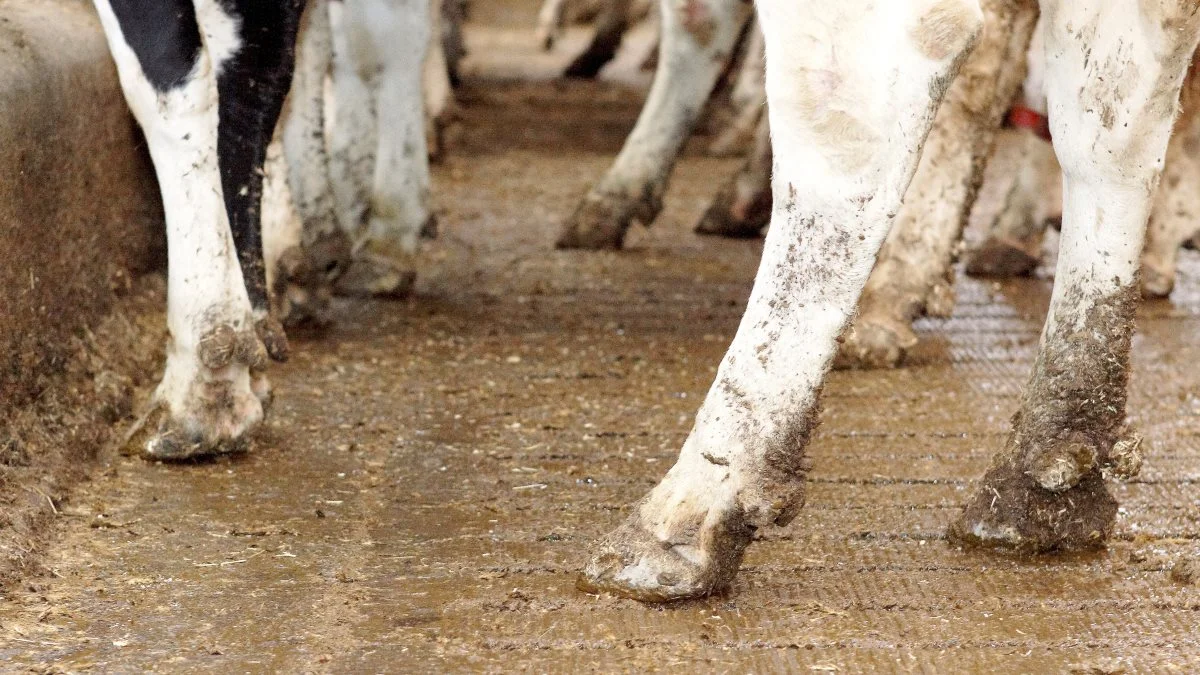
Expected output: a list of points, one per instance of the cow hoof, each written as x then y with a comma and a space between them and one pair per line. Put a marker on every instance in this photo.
1156, 283
632, 562
207, 403
736, 218
1001, 258
379, 271
874, 343
308, 273
1009, 510
601, 221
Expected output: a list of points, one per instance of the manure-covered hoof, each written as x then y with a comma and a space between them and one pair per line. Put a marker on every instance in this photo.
736, 216
633, 563
1001, 258
601, 221
207, 403
874, 343
1010, 510
379, 271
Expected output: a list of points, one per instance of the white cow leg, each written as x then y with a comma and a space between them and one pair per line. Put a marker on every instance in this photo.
848, 126
1175, 217
1033, 191
204, 403
697, 39
742, 206
438, 91
914, 276
304, 246
1113, 77
389, 39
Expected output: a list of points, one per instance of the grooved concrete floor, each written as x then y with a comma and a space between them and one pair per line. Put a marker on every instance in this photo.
434, 472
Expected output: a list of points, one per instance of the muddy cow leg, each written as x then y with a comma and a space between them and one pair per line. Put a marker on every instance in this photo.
1024, 158
1175, 217
914, 272
848, 132
697, 38
611, 25
387, 42
1113, 74
304, 247
1013, 244
742, 206
205, 402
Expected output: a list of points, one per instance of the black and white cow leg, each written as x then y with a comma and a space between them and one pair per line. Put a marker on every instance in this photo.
1175, 217
913, 276
1113, 77
204, 403
385, 43
742, 206
847, 137
253, 79
698, 37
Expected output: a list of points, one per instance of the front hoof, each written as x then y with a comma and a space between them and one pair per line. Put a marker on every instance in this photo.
1010, 510
871, 344
1001, 258
601, 221
734, 217
1156, 283
633, 563
379, 271
158, 435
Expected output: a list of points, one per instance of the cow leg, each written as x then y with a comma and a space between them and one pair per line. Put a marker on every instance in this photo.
204, 402
914, 275
387, 42
252, 83
749, 98
697, 38
611, 26
1013, 244
848, 132
436, 83
1113, 78
1024, 158
303, 244
742, 206
1175, 217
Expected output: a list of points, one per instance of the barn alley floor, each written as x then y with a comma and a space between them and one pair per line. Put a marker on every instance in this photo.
434, 472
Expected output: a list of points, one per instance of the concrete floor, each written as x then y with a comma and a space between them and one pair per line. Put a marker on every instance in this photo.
434, 472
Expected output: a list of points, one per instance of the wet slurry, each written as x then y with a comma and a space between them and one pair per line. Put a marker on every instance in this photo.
434, 472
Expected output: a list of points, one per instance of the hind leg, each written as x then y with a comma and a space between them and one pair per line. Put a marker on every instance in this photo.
698, 37
252, 83
1114, 72
204, 402
742, 206
913, 276
847, 136
387, 42
1176, 214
